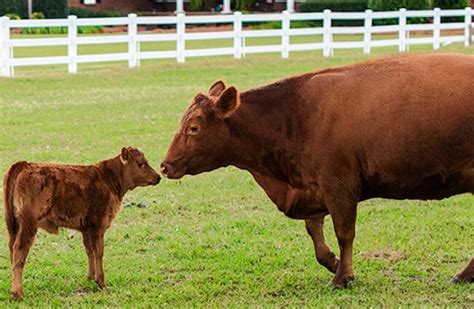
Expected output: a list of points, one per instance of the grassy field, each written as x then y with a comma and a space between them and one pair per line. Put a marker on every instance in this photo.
213, 239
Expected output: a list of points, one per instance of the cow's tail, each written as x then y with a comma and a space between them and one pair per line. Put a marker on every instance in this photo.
8, 189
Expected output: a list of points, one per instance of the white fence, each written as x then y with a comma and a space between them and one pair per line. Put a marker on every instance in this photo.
238, 34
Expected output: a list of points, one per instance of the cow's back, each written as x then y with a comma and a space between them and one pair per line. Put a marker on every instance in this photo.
408, 120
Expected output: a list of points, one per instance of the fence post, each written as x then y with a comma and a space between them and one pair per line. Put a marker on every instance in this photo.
468, 27
436, 28
237, 35
72, 45
290, 6
367, 31
132, 40
327, 35
5, 51
180, 43
402, 34
285, 34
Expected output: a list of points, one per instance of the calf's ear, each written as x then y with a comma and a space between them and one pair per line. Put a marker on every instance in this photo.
228, 102
217, 88
124, 156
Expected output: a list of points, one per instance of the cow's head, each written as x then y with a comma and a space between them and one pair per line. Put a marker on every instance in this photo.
200, 143
136, 171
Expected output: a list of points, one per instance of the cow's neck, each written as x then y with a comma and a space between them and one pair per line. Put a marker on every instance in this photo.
113, 170
262, 137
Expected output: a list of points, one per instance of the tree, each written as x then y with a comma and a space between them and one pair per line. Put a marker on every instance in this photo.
52, 8
12, 6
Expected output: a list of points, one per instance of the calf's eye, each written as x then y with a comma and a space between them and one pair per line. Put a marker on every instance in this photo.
194, 129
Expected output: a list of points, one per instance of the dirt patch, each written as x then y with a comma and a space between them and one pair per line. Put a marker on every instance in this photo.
470, 298
383, 254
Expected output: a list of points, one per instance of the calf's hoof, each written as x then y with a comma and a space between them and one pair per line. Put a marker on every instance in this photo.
462, 279
18, 296
341, 282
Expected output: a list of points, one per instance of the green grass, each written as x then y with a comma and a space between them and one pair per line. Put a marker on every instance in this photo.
213, 239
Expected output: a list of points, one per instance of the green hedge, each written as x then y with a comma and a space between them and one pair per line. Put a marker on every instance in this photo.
12, 6
334, 5
392, 5
450, 4
88, 13
52, 8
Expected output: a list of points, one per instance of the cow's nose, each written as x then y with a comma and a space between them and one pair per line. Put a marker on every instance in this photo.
164, 168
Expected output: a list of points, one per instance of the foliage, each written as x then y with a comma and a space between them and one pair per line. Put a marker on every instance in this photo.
450, 4
61, 30
37, 15
16, 7
198, 5
52, 8
244, 5
393, 5
13, 16
88, 13
334, 5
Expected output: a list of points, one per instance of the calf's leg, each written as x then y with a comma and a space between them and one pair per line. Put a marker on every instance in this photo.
98, 245
324, 255
86, 239
21, 247
467, 274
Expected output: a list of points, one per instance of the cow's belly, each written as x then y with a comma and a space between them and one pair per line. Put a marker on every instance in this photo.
435, 186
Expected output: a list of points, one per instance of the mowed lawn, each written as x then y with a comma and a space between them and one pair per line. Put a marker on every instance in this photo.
214, 239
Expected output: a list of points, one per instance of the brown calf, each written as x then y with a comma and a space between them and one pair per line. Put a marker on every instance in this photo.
84, 198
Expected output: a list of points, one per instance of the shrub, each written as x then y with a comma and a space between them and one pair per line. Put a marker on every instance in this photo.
392, 5
16, 7
37, 15
334, 5
450, 4
13, 16
81, 12
52, 8
88, 13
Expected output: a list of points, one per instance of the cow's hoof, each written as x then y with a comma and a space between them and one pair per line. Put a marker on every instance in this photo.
18, 296
462, 279
341, 283
101, 285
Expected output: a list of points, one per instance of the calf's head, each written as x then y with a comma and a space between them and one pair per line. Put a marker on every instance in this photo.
135, 169
200, 143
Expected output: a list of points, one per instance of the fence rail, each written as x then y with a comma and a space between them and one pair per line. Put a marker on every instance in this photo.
238, 35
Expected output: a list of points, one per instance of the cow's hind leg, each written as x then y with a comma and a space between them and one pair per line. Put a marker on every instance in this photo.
465, 275
324, 255
97, 239
21, 247
87, 240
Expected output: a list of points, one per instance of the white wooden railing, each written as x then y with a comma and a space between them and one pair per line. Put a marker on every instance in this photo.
239, 34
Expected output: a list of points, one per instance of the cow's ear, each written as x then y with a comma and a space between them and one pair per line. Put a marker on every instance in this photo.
228, 102
217, 88
124, 156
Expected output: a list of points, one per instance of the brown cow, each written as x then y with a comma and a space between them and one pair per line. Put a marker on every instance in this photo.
400, 127
84, 198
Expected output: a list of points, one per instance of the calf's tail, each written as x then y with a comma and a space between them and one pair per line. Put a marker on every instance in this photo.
8, 189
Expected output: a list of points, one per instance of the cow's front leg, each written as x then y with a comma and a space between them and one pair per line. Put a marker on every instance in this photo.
324, 255
465, 275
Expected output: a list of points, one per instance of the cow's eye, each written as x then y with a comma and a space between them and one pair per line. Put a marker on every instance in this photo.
194, 129
141, 165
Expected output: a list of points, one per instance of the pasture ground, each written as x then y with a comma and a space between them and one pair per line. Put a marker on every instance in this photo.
213, 239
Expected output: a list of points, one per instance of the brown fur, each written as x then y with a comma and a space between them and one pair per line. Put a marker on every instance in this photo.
400, 127
84, 198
